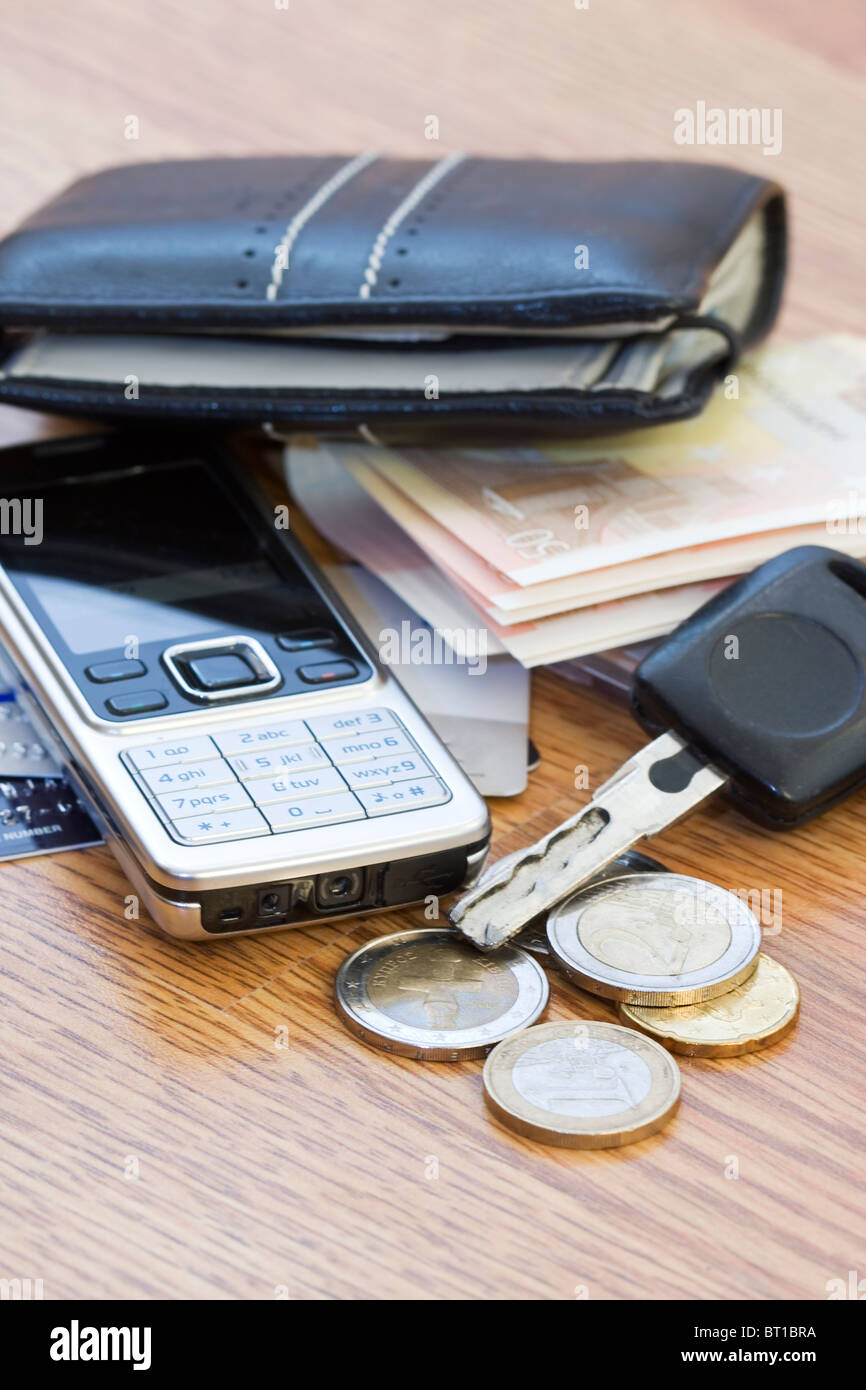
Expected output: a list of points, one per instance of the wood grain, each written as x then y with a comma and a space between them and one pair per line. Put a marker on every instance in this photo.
326, 1169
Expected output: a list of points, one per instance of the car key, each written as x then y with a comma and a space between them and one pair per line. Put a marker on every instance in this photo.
762, 691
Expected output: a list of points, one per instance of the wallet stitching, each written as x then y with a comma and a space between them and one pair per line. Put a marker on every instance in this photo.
603, 295
416, 194
326, 191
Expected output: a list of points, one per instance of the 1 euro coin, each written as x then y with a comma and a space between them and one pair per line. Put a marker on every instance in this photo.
582, 1085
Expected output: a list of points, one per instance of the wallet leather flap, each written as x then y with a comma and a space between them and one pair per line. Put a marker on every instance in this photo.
464, 243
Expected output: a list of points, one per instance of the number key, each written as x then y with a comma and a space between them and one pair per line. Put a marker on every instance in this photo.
199, 800
187, 775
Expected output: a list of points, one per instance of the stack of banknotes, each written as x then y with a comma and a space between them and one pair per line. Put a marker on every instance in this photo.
563, 549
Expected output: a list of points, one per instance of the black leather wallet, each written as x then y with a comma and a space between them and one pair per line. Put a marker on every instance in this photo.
407, 299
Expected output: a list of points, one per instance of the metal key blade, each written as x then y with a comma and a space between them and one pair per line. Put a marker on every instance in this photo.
650, 791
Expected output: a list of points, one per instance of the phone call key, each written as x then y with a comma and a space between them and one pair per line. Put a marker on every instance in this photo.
204, 799
315, 810
404, 796
123, 670
327, 672
364, 721
261, 736
181, 750
184, 776
316, 782
141, 702
220, 825
305, 638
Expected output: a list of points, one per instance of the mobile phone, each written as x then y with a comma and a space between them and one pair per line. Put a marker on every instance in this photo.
246, 756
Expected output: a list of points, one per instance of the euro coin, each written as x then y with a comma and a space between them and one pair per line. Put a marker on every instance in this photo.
655, 939
431, 995
534, 935
582, 1085
756, 1014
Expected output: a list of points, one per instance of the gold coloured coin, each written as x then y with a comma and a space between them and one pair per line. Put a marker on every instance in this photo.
655, 939
582, 1084
431, 995
756, 1014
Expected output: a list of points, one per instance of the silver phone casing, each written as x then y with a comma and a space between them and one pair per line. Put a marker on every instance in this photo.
157, 865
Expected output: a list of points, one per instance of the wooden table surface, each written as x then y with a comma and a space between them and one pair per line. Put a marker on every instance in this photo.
157, 1140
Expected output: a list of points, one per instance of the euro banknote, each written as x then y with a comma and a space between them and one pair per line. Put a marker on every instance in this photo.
781, 446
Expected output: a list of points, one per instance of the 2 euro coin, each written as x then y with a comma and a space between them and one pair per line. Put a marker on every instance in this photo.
655, 939
431, 995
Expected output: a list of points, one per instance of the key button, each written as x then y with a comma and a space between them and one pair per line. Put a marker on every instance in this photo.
404, 796
142, 702
315, 810
261, 736
222, 672
363, 721
362, 747
200, 801
298, 757
186, 775
327, 672
221, 825
317, 782
382, 771
305, 638
180, 750
755, 689
104, 671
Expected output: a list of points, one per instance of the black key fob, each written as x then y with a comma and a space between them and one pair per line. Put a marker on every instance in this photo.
767, 682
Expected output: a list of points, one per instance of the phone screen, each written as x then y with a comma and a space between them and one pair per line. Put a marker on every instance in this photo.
161, 553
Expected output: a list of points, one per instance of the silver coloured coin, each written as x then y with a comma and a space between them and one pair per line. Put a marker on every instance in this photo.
582, 1084
431, 995
534, 936
655, 939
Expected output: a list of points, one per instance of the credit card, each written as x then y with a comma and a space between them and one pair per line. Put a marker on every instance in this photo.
22, 753
42, 815
39, 811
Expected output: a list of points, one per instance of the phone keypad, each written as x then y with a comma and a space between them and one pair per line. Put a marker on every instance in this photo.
284, 775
